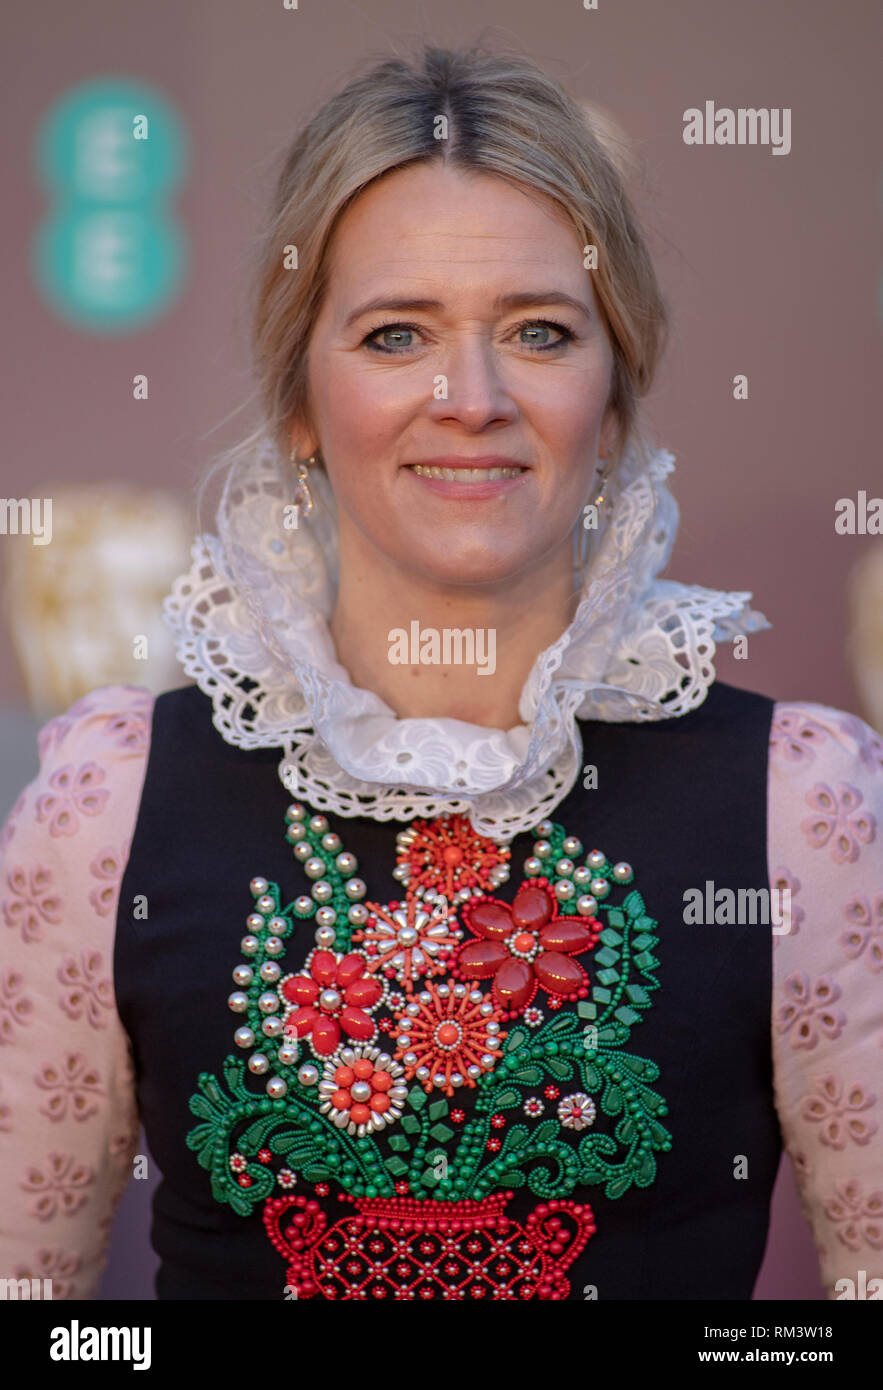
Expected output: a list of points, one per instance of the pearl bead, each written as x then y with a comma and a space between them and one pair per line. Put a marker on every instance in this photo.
347, 863
272, 1026
544, 829
330, 999
542, 849
296, 812
322, 891
249, 945
408, 936
270, 971
355, 888
422, 1073
258, 887
572, 846
358, 915
596, 860
243, 975
564, 868
360, 1091
401, 873
331, 842
564, 891
287, 1053
600, 887
326, 917
532, 867
324, 936
314, 867
238, 1002
303, 851
243, 1037
318, 825
268, 1003
308, 1074
277, 925
303, 905
276, 1087
254, 921
258, 1063
265, 903
295, 833
474, 1072
582, 875
622, 872
274, 946
587, 906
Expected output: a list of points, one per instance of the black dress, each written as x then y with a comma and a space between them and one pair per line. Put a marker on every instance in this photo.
523, 1094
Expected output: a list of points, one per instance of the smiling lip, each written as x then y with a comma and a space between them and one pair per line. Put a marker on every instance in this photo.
476, 479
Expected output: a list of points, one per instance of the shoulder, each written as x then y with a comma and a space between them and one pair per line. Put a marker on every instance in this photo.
91, 767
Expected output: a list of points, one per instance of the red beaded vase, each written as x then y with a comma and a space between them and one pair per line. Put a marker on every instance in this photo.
400, 1248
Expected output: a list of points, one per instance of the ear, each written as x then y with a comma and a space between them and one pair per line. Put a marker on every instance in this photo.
302, 439
607, 439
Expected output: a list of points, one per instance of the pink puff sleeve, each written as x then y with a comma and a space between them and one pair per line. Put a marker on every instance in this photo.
68, 1118
826, 847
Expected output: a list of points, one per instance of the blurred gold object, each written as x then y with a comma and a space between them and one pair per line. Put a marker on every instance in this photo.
864, 643
85, 608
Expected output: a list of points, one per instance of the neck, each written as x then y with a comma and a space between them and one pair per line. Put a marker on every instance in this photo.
437, 650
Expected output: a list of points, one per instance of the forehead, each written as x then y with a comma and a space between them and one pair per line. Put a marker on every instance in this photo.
431, 219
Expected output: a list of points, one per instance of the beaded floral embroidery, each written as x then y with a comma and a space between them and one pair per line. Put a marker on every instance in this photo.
396, 1063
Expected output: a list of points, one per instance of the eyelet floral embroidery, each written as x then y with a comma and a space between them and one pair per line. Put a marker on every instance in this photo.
858, 1217
425, 1138
73, 795
60, 1186
9, 828
73, 1084
783, 881
865, 935
807, 1015
16, 1009
33, 903
5, 1116
108, 866
50, 1262
85, 992
839, 820
794, 736
837, 1114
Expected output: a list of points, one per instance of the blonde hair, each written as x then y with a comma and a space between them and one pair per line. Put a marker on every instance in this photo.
505, 117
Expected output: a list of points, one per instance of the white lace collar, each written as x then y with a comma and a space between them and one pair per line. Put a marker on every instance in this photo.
251, 616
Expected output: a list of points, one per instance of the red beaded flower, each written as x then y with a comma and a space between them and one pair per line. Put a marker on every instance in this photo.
331, 996
448, 1037
408, 941
446, 855
525, 945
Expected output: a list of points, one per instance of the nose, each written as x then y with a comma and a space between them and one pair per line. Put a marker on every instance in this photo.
469, 387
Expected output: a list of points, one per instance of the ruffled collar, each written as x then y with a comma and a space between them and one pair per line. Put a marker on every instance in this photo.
250, 620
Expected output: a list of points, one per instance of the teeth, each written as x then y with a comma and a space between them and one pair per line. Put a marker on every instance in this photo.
471, 475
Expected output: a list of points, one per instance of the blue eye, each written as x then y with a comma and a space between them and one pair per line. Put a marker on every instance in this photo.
396, 331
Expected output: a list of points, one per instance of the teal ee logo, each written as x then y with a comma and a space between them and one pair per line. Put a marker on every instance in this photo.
108, 256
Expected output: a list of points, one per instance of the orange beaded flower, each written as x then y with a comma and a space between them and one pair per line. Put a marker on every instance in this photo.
448, 1037
447, 855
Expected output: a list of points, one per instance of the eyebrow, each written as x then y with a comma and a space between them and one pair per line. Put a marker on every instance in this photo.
522, 300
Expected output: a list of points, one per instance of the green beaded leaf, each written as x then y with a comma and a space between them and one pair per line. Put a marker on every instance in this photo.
528, 1076
611, 1102
516, 1138
559, 1068
515, 1038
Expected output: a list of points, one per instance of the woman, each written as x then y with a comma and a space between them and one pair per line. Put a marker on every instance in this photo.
510, 978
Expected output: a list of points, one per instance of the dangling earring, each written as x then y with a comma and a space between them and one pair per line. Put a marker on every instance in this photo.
303, 498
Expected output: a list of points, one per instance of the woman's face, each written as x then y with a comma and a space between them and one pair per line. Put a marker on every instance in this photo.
459, 330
